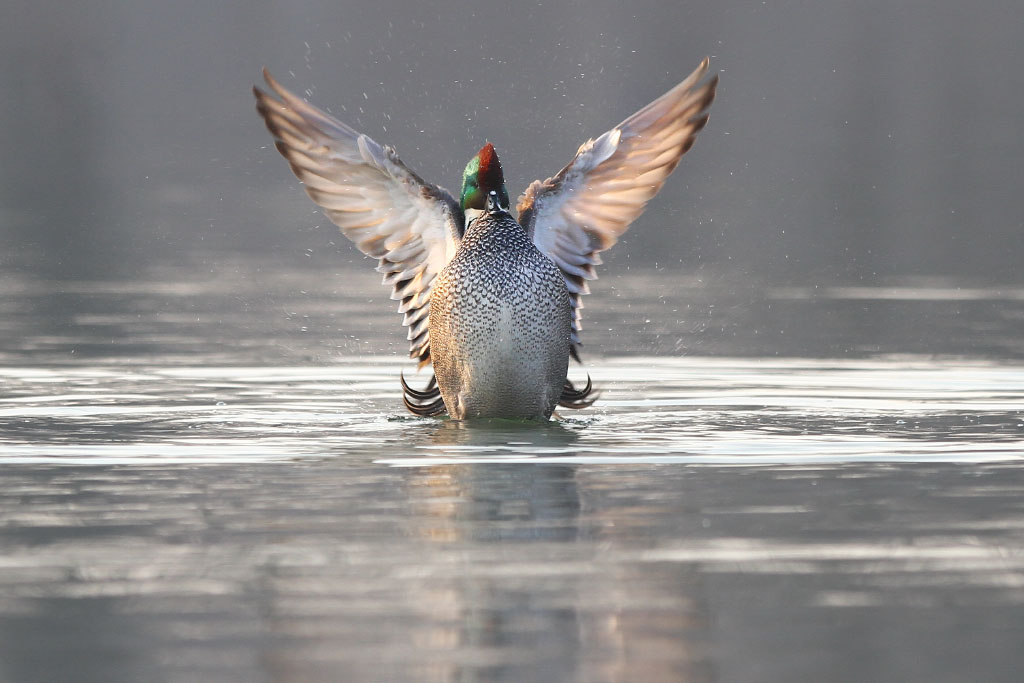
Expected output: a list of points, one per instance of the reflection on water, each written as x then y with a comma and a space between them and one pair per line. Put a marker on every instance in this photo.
213, 479
337, 569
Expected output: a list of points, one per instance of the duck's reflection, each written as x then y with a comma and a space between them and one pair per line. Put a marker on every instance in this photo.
533, 578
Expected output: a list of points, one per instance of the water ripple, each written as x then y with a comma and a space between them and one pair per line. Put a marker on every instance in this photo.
654, 410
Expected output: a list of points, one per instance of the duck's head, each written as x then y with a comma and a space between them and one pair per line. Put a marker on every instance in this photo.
482, 176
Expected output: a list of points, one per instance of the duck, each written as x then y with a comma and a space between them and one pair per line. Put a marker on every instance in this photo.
492, 301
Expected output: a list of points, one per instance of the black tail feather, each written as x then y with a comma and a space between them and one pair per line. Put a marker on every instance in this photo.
425, 409
426, 402
578, 398
430, 393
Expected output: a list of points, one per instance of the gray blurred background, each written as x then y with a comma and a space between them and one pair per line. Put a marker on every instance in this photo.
851, 141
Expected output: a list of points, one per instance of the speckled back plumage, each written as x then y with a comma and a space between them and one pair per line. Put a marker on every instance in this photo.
500, 324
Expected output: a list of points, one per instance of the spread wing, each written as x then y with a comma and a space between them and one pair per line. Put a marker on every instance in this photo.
412, 227
583, 210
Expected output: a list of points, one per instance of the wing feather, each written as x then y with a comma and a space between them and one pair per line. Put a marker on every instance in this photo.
412, 227
585, 207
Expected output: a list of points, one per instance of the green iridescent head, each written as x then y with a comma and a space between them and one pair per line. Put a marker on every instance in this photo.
482, 175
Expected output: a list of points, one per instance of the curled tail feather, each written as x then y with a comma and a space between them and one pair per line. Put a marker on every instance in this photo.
578, 398
426, 402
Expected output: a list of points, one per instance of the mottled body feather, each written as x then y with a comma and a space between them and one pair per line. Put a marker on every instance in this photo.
500, 321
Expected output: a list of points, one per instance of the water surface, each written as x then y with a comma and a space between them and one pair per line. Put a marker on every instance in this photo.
208, 475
